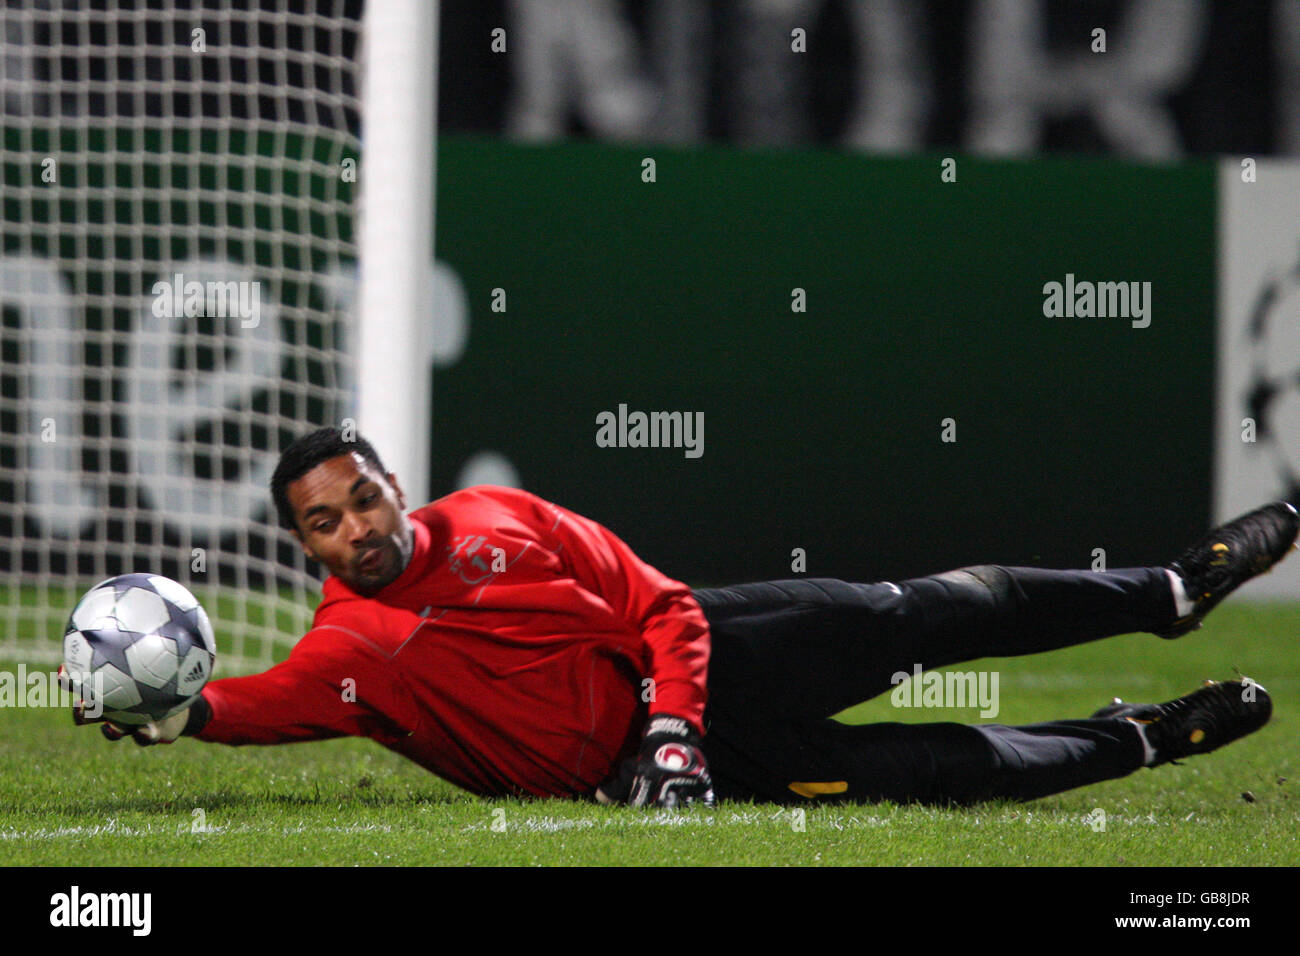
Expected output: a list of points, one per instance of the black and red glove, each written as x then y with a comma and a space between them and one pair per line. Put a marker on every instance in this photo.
668, 771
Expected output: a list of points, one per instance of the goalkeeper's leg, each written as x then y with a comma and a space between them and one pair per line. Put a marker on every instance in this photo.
756, 756
943, 763
812, 647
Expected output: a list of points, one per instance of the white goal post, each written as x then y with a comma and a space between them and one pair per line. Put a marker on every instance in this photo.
181, 231
396, 331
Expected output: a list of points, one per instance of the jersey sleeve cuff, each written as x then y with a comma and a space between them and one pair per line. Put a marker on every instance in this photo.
200, 714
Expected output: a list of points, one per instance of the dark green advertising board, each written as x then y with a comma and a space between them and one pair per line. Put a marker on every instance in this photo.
864, 343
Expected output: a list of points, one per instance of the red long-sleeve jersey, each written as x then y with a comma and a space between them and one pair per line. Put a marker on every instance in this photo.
519, 652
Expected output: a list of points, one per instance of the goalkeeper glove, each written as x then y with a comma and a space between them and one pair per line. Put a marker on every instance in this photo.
162, 731
668, 771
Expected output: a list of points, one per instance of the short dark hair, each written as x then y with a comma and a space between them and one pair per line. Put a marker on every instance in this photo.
308, 451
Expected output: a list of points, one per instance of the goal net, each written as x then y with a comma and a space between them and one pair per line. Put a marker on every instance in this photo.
177, 279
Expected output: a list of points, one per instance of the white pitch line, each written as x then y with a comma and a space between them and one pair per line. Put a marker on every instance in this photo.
112, 829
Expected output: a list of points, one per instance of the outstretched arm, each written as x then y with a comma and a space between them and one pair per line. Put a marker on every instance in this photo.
333, 684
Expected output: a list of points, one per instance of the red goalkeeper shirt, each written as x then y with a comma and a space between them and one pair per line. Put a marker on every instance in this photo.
520, 652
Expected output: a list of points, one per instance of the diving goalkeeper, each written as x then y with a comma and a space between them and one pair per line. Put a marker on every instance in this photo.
513, 647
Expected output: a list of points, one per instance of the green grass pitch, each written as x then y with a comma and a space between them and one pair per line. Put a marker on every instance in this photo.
69, 797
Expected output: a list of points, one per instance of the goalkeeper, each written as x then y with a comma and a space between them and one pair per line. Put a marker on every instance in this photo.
513, 647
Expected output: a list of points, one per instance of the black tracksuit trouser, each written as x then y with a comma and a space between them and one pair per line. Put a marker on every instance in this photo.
787, 655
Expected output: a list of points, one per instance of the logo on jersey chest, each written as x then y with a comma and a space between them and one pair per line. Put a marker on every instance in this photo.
474, 560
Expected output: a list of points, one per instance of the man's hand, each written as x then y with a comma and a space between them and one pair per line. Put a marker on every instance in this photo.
164, 731
668, 771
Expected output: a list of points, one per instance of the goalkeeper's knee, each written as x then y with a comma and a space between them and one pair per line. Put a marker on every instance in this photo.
987, 583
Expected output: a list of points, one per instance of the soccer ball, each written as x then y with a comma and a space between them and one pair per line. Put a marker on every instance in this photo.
139, 645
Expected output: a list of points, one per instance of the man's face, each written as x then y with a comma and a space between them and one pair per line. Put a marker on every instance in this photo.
350, 520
